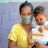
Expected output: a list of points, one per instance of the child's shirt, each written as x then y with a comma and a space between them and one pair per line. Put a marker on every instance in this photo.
38, 36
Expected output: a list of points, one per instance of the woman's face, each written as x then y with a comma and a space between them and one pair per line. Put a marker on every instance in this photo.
26, 15
26, 11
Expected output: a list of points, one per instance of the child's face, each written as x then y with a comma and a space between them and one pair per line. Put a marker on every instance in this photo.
40, 19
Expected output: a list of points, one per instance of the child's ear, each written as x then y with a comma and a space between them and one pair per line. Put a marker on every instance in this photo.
46, 16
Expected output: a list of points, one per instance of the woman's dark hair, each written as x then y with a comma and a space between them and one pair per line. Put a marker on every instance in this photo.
24, 5
37, 10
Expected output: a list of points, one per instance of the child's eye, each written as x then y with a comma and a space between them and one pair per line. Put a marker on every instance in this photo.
40, 19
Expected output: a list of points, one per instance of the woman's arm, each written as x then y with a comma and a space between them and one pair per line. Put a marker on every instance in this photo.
30, 38
12, 44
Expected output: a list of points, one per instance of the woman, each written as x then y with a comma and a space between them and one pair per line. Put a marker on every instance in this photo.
19, 33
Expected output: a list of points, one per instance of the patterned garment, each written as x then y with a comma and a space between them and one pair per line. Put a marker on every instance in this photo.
18, 34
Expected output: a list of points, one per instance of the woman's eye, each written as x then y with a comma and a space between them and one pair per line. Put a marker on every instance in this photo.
36, 20
23, 14
29, 13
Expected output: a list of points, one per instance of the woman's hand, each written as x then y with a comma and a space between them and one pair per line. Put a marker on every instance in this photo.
40, 45
12, 44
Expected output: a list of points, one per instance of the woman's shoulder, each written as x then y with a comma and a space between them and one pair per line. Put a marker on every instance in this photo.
16, 26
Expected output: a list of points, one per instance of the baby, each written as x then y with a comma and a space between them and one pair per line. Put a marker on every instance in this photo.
39, 32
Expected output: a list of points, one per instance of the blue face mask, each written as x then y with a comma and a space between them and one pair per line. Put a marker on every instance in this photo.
26, 19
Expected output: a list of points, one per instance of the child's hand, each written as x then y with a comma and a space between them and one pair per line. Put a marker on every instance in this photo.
41, 29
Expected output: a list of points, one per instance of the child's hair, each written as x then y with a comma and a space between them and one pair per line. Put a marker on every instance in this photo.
24, 5
37, 10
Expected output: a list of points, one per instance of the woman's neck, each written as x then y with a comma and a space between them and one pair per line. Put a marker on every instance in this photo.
27, 27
